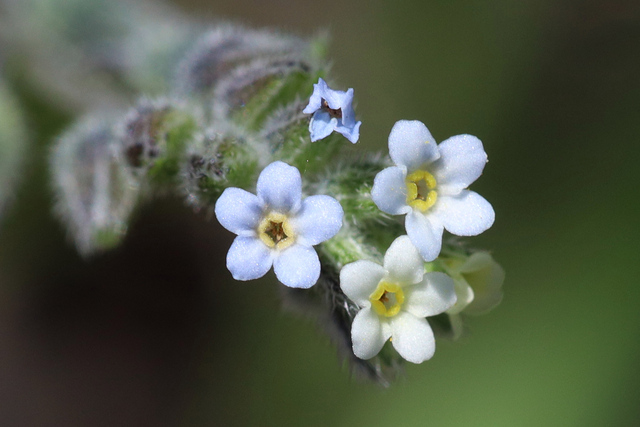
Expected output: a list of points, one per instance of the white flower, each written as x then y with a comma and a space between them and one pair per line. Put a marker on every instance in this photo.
332, 110
429, 184
394, 301
478, 282
277, 228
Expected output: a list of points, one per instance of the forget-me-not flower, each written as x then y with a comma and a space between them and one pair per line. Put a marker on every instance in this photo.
394, 300
331, 111
429, 183
277, 227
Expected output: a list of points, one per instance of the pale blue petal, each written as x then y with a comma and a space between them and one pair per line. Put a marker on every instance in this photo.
462, 159
280, 187
352, 133
319, 219
337, 99
411, 145
238, 211
321, 125
412, 337
434, 295
425, 233
297, 267
389, 191
403, 262
248, 258
348, 115
467, 214
315, 102
368, 334
359, 279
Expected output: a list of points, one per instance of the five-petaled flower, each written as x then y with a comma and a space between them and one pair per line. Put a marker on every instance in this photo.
277, 227
394, 301
331, 110
429, 184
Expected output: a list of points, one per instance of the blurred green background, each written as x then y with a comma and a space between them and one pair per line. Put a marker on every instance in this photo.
157, 332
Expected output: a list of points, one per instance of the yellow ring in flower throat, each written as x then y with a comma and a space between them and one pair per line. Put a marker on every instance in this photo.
387, 299
275, 231
420, 190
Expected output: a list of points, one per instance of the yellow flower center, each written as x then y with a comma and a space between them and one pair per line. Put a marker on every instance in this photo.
387, 299
275, 231
421, 192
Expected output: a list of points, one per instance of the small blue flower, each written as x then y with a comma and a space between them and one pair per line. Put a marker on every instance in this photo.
331, 110
429, 184
277, 227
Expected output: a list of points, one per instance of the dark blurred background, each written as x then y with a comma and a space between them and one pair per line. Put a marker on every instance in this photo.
156, 333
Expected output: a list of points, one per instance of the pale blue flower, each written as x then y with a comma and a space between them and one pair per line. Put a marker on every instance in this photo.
277, 227
331, 110
394, 299
429, 183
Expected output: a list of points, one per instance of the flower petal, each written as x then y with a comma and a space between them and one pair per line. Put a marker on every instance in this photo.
297, 267
367, 334
238, 211
389, 191
412, 337
352, 133
248, 258
337, 99
346, 105
319, 219
462, 160
321, 125
467, 214
411, 145
425, 233
315, 102
403, 262
434, 295
280, 187
359, 279
464, 295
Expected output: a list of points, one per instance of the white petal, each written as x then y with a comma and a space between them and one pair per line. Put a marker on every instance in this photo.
411, 145
319, 219
403, 262
367, 334
248, 258
297, 267
462, 160
467, 214
238, 211
412, 337
434, 295
321, 125
425, 233
359, 279
464, 295
280, 187
389, 191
